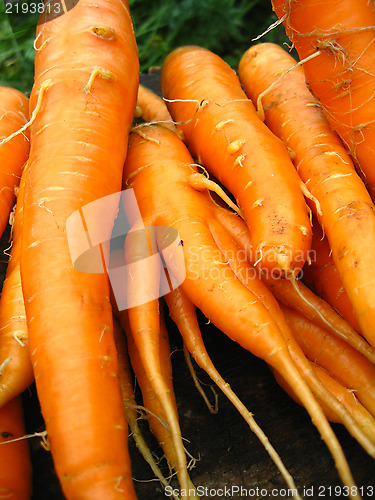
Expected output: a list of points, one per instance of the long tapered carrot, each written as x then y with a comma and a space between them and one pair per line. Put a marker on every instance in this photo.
156, 160
336, 356
15, 463
82, 104
321, 276
345, 209
14, 150
183, 313
16, 372
245, 273
341, 35
223, 131
148, 346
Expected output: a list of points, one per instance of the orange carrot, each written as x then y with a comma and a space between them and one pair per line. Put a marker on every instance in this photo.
294, 294
82, 104
345, 363
341, 36
300, 298
148, 346
222, 130
15, 463
152, 108
157, 160
322, 277
183, 312
130, 405
16, 372
14, 150
344, 206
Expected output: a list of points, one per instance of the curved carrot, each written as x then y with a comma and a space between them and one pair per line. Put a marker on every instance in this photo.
152, 108
148, 346
249, 278
183, 313
345, 363
14, 149
322, 277
222, 130
294, 294
151, 168
343, 394
15, 463
86, 60
299, 297
345, 209
341, 35
130, 405
16, 371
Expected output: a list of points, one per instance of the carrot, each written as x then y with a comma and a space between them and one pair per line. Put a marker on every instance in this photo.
345, 363
343, 394
321, 276
222, 130
341, 36
148, 346
152, 108
183, 313
294, 294
249, 279
14, 150
345, 209
130, 405
82, 104
16, 372
15, 463
300, 298
157, 160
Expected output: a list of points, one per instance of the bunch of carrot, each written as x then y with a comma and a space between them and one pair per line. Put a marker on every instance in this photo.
254, 206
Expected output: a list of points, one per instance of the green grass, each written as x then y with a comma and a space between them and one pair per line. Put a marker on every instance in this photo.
226, 27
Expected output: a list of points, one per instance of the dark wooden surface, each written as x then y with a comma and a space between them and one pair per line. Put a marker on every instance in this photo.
227, 453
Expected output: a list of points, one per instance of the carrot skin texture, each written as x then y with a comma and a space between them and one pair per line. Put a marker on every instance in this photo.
305, 301
226, 135
14, 113
15, 463
17, 372
79, 143
340, 76
347, 212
